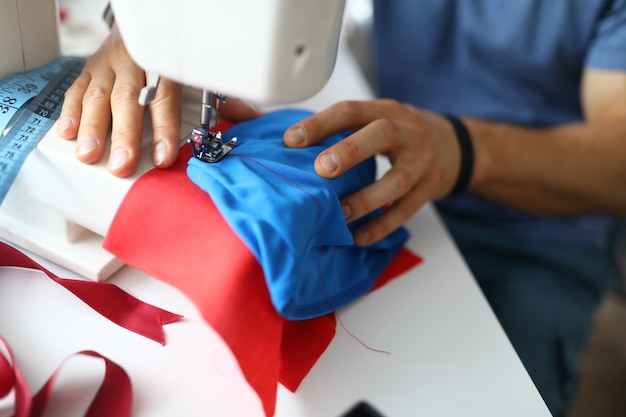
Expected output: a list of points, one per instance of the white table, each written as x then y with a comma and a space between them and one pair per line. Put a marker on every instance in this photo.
449, 356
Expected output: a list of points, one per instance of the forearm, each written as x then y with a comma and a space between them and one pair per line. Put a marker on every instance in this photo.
566, 170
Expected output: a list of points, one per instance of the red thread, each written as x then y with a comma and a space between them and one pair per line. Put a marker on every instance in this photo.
319, 258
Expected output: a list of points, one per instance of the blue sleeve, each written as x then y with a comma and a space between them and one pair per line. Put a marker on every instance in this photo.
607, 49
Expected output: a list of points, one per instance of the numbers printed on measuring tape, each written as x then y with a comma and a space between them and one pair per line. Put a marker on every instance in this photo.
30, 103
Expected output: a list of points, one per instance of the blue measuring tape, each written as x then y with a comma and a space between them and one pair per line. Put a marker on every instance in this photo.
30, 103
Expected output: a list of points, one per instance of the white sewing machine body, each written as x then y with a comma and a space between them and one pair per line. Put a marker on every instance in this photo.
60, 208
261, 50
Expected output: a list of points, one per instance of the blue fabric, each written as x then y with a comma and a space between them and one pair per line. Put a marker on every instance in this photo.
291, 219
511, 61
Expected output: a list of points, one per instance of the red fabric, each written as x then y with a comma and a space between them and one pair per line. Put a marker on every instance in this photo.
169, 228
403, 261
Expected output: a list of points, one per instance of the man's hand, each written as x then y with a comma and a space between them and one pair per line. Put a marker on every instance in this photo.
106, 92
420, 145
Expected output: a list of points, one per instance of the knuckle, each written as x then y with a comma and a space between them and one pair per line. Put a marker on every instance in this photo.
350, 148
74, 90
124, 137
369, 206
362, 206
348, 109
95, 94
405, 211
166, 133
391, 105
417, 129
402, 181
410, 109
388, 128
425, 134
168, 87
383, 228
124, 93
164, 111
312, 124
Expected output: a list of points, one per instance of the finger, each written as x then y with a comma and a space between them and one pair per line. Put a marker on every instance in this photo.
236, 110
377, 137
95, 117
346, 115
393, 186
128, 116
166, 119
392, 218
71, 111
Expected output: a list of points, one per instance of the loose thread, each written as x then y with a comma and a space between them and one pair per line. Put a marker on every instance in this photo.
319, 258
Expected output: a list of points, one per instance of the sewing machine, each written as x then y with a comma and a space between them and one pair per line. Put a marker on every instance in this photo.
260, 50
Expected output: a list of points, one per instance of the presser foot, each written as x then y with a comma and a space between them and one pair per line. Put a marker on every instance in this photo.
208, 146
206, 142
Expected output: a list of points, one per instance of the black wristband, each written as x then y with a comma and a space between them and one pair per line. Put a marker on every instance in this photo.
467, 154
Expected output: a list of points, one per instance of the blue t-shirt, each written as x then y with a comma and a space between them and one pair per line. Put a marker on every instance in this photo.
514, 61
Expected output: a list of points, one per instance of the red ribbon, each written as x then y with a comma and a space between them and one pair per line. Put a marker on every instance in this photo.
107, 299
114, 397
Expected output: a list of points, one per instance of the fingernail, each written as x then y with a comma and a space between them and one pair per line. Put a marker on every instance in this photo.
118, 158
329, 161
160, 150
295, 136
347, 211
86, 145
362, 237
65, 123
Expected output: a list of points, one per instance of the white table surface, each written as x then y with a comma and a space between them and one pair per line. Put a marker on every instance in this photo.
449, 356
